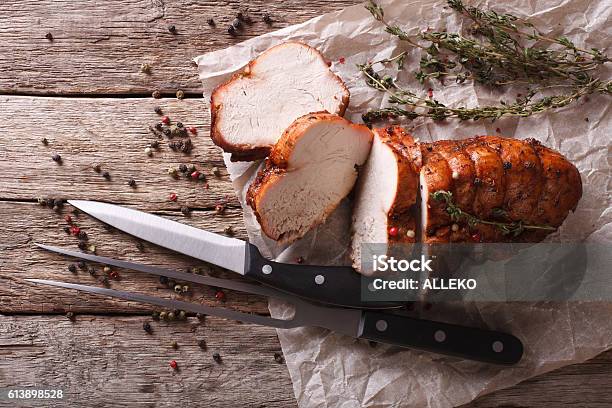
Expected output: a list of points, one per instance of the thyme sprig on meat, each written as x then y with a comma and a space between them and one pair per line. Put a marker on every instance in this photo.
502, 50
456, 214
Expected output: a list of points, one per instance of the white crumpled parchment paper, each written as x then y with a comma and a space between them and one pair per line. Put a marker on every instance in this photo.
330, 370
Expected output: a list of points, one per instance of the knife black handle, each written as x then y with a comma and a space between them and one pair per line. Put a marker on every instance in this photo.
443, 338
334, 285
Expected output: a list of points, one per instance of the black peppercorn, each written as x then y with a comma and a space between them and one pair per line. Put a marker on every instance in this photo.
132, 182
167, 132
44, 141
174, 344
171, 315
156, 94
158, 110
183, 168
155, 144
236, 23
67, 229
91, 270
217, 358
172, 29
159, 126
267, 19
70, 315
211, 22
82, 245
147, 327
82, 265
72, 268
106, 175
231, 30
163, 280
56, 158
96, 167
202, 344
278, 357
49, 36
179, 124
83, 235
185, 210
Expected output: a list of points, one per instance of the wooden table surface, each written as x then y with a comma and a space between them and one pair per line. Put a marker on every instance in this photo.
85, 92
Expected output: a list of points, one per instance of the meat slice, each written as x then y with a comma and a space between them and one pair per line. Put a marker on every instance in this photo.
386, 194
252, 110
310, 170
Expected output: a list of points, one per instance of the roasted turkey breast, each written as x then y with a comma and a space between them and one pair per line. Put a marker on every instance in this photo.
309, 171
517, 183
251, 111
386, 192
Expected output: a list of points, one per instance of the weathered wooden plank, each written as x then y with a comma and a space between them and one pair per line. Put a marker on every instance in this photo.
110, 40
26, 223
111, 361
113, 132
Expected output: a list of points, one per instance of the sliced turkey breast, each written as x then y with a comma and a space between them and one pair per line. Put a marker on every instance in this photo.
310, 170
252, 110
386, 193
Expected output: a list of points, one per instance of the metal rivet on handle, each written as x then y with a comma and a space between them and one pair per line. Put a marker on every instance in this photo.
381, 325
319, 279
498, 346
439, 336
266, 269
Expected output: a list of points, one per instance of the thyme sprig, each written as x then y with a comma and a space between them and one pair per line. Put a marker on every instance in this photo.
503, 50
456, 214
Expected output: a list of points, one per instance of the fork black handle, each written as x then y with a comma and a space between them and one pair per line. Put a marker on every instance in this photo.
333, 285
443, 338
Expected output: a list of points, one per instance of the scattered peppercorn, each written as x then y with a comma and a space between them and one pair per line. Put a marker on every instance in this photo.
219, 208
185, 210
278, 357
174, 365
82, 265
57, 158
66, 229
183, 168
91, 270
174, 344
154, 144
155, 315
96, 167
187, 146
267, 19
171, 315
148, 151
158, 110
132, 182
180, 94
173, 197
107, 269
44, 141
231, 30
92, 249
182, 315
185, 288
70, 315
168, 133
163, 315
114, 275
156, 94
49, 36
82, 235
228, 230
217, 358
202, 344
201, 316
216, 172
147, 327
178, 288
106, 175
145, 68
172, 29
72, 268
220, 295
211, 22
82, 244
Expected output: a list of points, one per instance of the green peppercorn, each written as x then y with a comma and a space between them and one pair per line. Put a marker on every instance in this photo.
145, 68
92, 249
192, 168
172, 171
196, 270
